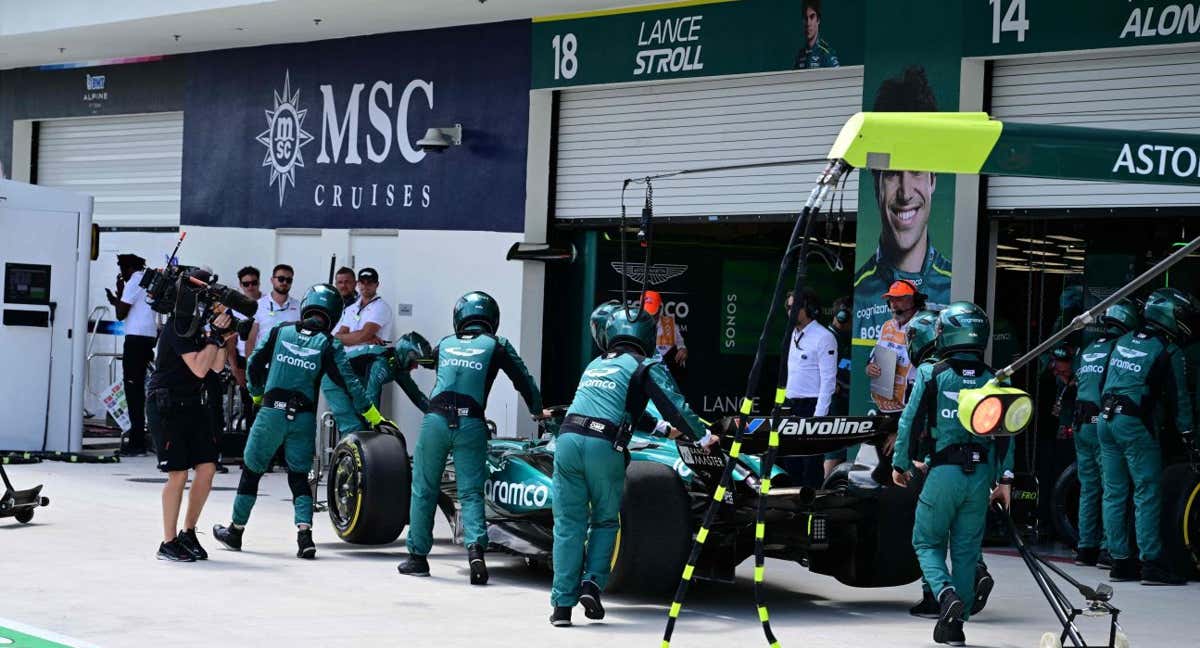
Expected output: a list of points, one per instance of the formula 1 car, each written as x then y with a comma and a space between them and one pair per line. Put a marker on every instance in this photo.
847, 529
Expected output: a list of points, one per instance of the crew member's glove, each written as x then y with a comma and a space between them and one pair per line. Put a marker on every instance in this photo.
257, 400
378, 423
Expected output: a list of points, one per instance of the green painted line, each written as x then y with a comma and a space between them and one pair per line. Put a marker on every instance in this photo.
10, 638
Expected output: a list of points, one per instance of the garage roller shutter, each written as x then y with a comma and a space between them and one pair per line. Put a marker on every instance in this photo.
1144, 91
131, 164
607, 135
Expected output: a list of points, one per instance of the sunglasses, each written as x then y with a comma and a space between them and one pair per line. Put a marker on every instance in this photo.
283, 279
247, 284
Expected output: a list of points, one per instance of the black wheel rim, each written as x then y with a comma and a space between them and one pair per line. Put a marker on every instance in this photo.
346, 484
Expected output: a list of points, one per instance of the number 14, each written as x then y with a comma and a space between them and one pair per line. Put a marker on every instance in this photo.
1014, 20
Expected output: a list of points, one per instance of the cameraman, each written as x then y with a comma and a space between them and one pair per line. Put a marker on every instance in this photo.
179, 420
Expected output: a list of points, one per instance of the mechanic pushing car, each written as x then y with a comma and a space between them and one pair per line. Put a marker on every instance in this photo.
952, 510
375, 366
590, 454
466, 363
283, 374
921, 333
1092, 365
1146, 364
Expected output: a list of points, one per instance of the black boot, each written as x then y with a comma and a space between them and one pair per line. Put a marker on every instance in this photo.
306, 549
954, 635
1104, 559
950, 612
230, 536
190, 542
479, 574
1123, 569
1087, 556
928, 607
983, 588
589, 598
1158, 572
414, 566
560, 617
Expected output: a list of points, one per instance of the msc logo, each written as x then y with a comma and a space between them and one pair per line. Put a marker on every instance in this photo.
515, 493
1092, 357
284, 137
464, 353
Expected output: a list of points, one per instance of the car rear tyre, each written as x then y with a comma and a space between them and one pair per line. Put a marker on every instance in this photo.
370, 482
1180, 522
656, 531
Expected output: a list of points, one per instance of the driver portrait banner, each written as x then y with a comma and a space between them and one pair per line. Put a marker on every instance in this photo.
324, 134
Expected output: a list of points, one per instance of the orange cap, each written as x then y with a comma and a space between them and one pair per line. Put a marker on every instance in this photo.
652, 301
901, 288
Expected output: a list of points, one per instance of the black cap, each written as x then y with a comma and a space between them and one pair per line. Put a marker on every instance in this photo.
130, 260
368, 274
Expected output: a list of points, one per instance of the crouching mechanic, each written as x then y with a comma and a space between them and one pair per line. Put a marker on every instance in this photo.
1092, 365
376, 366
283, 374
590, 456
922, 342
467, 363
952, 510
1146, 365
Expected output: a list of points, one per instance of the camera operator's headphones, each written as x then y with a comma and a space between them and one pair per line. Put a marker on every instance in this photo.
842, 314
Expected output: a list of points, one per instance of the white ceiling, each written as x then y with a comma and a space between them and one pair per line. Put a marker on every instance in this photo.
32, 32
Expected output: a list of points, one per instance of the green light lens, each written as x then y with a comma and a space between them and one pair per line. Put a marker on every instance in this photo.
1020, 411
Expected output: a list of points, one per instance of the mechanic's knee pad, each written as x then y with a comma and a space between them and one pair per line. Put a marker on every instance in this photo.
248, 485
298, 482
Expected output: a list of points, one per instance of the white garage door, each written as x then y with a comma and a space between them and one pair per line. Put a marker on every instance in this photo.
609, 134
131, 164
1149, 90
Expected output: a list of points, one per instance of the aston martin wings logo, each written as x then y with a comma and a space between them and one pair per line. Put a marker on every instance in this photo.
660, 273
600, 373
300, 351
1092, 357
284, 137
1130, 353
951, 395
464, 353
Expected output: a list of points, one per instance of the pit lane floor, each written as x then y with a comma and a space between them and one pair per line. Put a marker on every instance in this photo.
85, 568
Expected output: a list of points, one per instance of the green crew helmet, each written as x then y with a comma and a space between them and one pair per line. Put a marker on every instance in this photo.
1171, 310
962, 326
476, 309
1121, 317
413, 349
599, 322
322, 302
632, 326
922, 336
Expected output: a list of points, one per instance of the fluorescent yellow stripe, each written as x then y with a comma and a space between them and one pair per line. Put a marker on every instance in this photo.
780, 394
758, 574
735, 449
747, 406
665, 644
762, 613
774, 440
675, 610
702, 535
760, 530
687, 572
1187, 515
863, 276
765, 486
627, 10
719, 494
774, 644
863, 342
810, 524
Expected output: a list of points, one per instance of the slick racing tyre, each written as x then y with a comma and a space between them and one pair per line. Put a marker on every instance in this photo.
656, 531
1180, 521
1065, 506
369, 485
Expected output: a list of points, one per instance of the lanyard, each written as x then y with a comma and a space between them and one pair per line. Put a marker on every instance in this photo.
358, 314
287, 306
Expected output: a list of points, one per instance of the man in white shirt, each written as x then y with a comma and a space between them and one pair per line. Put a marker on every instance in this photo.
141, 334
276, 307
811, 379
368, 320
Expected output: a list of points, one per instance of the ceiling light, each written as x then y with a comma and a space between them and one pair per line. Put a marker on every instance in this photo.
1064, 237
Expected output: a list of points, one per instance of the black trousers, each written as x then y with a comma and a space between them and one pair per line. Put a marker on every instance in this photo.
214, 387
137, 354
805, 471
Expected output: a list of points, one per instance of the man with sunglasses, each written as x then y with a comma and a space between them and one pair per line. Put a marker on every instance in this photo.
276, 307
369, 320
